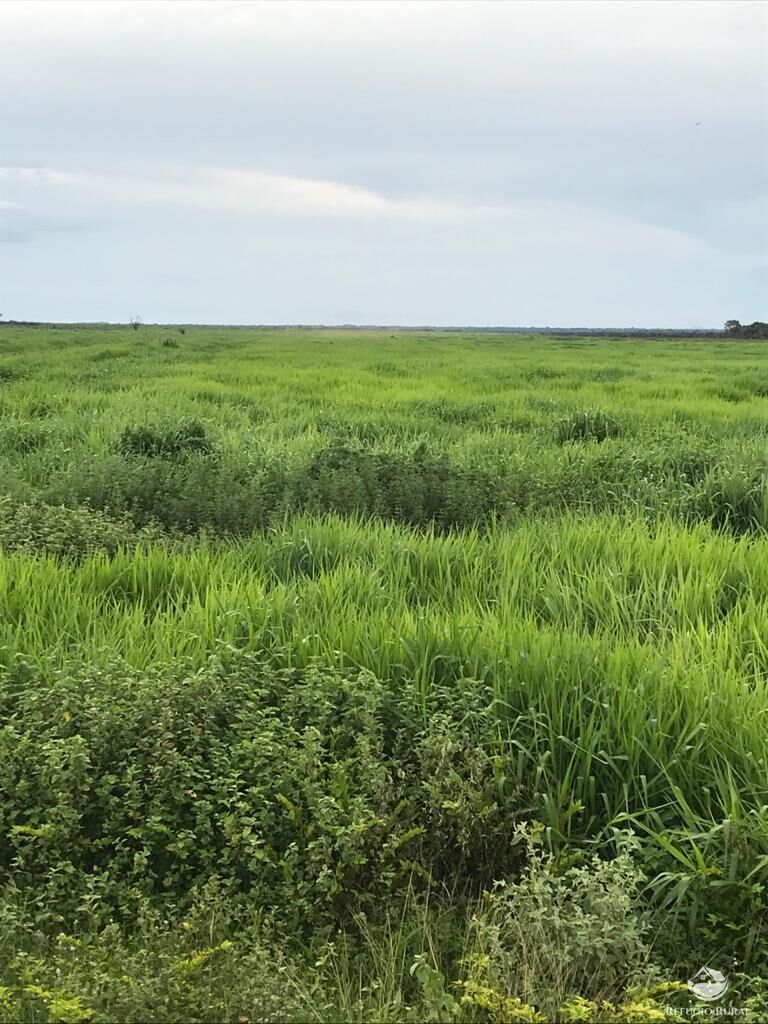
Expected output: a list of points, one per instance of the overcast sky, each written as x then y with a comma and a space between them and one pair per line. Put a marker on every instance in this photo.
559, 164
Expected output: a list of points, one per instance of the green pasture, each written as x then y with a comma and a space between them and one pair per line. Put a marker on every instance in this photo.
316, 636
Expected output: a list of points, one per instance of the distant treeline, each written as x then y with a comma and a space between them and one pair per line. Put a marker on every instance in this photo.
617, 332
758, 329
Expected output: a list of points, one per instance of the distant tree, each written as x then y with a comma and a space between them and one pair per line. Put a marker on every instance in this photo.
758, 329
135, 322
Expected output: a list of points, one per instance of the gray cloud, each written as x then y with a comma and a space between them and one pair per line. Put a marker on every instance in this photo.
19, 224
471, 162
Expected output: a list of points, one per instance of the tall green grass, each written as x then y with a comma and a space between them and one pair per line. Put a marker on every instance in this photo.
445, 428
629, 668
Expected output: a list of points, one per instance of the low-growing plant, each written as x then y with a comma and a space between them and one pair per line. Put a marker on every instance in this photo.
555, 934
166, 441
586, 425
76, 533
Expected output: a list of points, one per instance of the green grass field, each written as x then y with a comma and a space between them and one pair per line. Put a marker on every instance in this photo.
380, 676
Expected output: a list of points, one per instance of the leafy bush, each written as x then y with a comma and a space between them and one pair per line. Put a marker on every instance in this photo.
416, 488
561, 932
163, 972
279, 785
462, 413
586, 426
539, 373
67, 532
185, 495
24, 437
166, 441
302, 791
733, 501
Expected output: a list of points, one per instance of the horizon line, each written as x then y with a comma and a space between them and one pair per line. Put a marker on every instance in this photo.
347, 326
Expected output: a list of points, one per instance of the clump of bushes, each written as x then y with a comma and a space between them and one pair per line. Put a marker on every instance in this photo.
229, 494
299, 791
586, 425
23, 437
420, 965
462, 413
732, 501
66, 532
419, 488
166, 441
539, 373
189, 493
556, 932
608, 374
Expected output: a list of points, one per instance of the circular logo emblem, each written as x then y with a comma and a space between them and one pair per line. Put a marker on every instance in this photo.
708, 984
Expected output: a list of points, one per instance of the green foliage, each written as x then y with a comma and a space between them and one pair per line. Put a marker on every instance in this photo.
167, 441
558, 933
299, 636
189, 494
417, 488
163, 974
66, 532
734, 329
586, 426
277, 784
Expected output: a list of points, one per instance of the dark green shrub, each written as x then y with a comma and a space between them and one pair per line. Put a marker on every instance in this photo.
539, 373
23, 437
42, 410
166, 441
108, 355
734, 502
188, 495
154, 971
67, 532
419, 488
277, 784
608, 374
302, 793
586, 426
454, 412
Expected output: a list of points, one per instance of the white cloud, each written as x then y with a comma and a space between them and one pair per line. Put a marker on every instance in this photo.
245, 192
237, 191
499, 42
